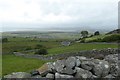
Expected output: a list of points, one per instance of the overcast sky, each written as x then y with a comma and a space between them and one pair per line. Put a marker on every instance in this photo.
28, 14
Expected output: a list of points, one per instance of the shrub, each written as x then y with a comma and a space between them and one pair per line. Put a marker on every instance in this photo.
95, 40
38, 46
41, 51
82, 40
28, 48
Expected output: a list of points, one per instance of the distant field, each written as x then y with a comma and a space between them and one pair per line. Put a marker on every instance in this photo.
12, 63
79, 47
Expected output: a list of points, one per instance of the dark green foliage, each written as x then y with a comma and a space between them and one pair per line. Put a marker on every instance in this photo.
38, 46
4, 39
82, 40
41, 51
97, 33
112, 38
84, 34
28, 48
91, 36
96, 40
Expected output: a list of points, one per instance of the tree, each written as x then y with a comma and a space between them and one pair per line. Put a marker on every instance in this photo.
97, 33
84, 34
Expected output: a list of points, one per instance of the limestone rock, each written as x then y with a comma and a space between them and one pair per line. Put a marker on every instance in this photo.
113, 58
102, 69
36, 76
49, 75
68, 70
88, 65
71, 62
81, 73
57, 75
59, 65
109, 76
18, 75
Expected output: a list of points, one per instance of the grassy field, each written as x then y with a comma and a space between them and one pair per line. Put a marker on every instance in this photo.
79, 47
12, 63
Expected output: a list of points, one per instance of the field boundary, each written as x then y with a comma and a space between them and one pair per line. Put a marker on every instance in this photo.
91, 53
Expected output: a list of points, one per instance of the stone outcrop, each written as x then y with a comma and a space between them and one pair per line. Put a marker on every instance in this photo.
75, 67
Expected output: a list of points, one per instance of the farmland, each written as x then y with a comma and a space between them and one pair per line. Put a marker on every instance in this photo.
21, 43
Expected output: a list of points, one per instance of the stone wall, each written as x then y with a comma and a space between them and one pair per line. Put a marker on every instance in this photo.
88, 53
75, 67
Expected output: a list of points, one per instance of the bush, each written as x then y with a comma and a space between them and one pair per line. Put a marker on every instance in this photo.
112, 38
38, 46
82, 40
96, 40
41, 51
28, 48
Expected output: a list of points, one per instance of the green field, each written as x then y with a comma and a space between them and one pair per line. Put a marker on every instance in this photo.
79, 47
12, 63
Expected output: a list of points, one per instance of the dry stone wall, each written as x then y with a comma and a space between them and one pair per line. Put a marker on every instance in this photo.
75, 67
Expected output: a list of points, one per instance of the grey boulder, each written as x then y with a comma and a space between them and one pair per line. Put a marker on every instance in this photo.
101, 69
88, 65
81, 73
71, 62
59, 65
67, 70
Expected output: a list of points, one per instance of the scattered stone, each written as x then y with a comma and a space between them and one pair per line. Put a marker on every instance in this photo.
113, 58
49, 75
114, 70
36, 76
81, 73
68, 70
88, 65
18, 75
59, 65
81, 58
71, 62
109, 76
33, 73
102, 69
57, 75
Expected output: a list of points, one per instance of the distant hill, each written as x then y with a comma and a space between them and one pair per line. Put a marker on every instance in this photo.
117, 31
